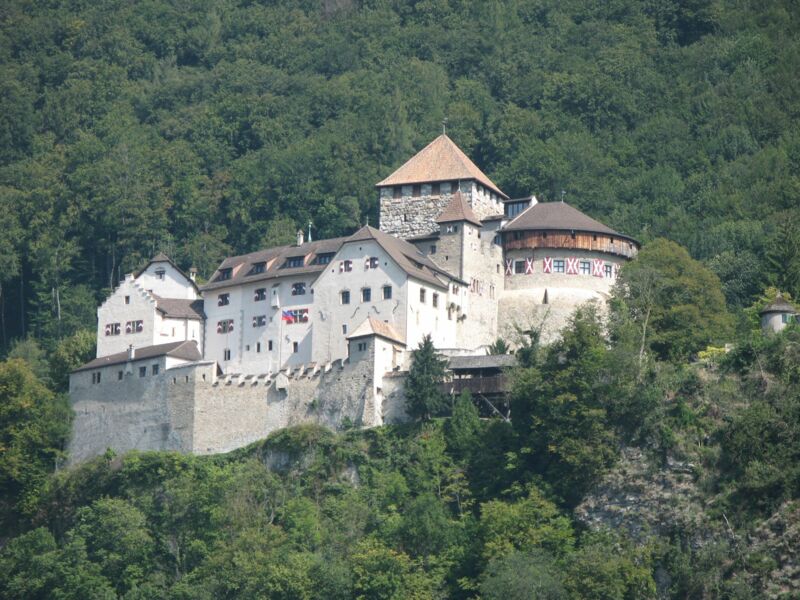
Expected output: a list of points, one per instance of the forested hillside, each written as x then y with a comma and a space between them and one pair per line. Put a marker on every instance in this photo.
204, 128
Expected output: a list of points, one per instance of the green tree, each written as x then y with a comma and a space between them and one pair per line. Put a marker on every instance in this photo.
676, 302
34, 427
71, 353
521, 576
424, 396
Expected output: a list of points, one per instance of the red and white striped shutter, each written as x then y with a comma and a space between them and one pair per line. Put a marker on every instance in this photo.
341, 266
597, 267
547, 265
616, 271
230, 325
528, 266
509, 267
219, 327
366, 264
572, 266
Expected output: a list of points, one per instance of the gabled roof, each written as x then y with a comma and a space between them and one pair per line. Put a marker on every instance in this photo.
179, 308
406, 255
275, 259
371, 326
161, 257
441, 160
558, 216
779, 305
186, 350
458, 210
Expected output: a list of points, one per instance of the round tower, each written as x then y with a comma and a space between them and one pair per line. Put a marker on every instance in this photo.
555, 259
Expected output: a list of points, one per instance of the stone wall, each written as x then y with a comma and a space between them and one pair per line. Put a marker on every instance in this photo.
188, 409
410, 216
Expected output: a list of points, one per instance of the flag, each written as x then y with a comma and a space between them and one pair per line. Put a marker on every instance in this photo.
288, 316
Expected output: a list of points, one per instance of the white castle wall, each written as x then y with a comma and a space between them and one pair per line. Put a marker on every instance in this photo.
173, 284
188, 409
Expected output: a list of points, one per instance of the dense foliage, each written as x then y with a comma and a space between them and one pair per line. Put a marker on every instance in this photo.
205, 128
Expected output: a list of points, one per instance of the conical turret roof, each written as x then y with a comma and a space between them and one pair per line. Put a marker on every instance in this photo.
441, 160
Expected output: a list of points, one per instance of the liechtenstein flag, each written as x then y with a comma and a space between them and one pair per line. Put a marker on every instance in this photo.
287, 316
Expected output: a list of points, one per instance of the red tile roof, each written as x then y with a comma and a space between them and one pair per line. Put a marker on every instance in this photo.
441, 160
372, 326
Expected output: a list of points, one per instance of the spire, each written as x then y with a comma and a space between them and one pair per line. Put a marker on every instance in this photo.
458, 210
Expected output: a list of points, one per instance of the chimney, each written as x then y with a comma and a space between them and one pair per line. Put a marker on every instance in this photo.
300, 237
131, 352
193, 273
129, 277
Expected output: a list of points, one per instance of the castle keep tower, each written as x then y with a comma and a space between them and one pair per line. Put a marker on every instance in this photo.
414, 196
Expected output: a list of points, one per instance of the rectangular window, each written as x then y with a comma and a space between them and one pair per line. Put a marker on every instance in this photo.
362, 346
291, 317
433, 248
374, 263
519, 267
451, 229
127, 299
260, 294
226, 354
456, 289
120, 375
257, 268
142, 371
558, 265
366, 294
435, 300
160, 273
586, 267
269, 345
397, 192
96, 377
415, 190
345, 266
435, 189
225, 326
344, 295
260, 321
299, 289
293, 262
324, 259
134, 327
112, 329
258, 346
223, 300
608, 270
295, 347
155, 369
422, 295
224, 274
387, 292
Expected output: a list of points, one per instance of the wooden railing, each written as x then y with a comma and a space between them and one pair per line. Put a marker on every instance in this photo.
496, 384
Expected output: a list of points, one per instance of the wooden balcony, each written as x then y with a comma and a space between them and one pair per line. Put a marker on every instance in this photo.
535, 240
493, 385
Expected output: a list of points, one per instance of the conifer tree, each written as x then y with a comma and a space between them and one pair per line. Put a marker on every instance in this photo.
424, 397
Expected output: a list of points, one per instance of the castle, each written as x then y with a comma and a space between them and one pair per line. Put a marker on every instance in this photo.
321, 331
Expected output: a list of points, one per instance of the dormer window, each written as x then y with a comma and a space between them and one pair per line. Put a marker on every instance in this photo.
224, 274
293, 262
324, 259
257, 268
451, 228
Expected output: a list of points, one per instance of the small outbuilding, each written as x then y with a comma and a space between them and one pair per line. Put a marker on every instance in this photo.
776, 315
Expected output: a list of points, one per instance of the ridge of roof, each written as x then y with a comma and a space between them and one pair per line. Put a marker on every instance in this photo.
186, 349
458, 210
780, 305
407, 256
440, 160
559, 216
372, 326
